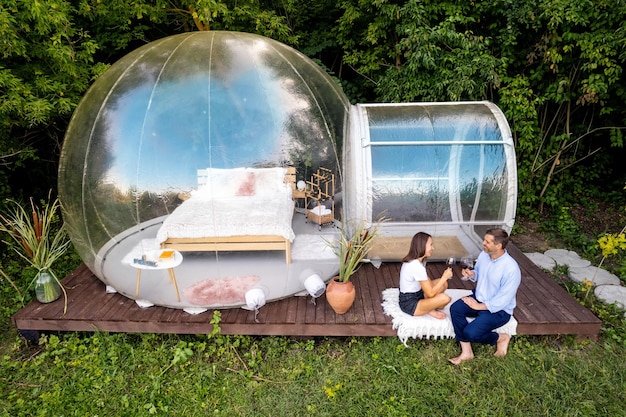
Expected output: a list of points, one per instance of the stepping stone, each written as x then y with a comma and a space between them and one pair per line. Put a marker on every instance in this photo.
610, 294
541, 260
597, 276
567, 257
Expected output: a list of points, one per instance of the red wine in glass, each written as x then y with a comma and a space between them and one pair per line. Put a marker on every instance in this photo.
450, 262
467, 263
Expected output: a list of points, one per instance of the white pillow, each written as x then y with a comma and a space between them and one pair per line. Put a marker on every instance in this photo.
219, 182
263, 182
270, 182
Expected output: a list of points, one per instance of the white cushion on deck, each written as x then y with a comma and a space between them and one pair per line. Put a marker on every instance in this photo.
425, 327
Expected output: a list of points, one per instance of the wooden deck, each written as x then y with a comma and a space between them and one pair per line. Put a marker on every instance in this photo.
543, 308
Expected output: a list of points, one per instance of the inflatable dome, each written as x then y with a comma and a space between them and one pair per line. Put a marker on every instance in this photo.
211, 113
447, 169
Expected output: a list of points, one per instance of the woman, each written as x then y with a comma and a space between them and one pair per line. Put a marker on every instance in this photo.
418, 294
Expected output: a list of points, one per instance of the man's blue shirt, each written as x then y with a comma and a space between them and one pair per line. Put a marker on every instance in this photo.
497, 282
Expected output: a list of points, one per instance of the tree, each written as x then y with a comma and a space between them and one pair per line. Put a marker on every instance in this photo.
53, 50
47, 64
553, 66
566, 58
418, 51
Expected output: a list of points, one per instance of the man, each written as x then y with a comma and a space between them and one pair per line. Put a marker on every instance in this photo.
497, 276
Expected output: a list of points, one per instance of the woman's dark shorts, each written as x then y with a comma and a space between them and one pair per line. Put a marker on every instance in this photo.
408, 301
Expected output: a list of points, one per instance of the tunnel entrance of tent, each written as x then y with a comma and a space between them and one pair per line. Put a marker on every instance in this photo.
447, 169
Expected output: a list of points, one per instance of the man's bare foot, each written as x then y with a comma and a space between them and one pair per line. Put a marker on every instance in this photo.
437, 314
502, 345
461, 358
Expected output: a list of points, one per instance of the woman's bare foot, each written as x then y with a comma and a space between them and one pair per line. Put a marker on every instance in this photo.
437, 314
461, 358
502, 345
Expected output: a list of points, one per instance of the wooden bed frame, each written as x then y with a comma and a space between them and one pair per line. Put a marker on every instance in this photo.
236, 243
231, 243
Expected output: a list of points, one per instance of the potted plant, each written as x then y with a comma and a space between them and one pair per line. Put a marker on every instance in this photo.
36, 238
352, 250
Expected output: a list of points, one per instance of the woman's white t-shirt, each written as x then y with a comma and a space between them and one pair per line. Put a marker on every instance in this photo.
411, 274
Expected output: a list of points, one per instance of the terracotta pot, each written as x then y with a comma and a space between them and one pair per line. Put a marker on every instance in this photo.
340, 295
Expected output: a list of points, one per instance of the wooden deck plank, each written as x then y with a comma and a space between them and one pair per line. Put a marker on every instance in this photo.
301, 309
114, 306
379, 279
363, 300
526, 310
309, 310
374, 296
319, 310
81, 301
543, 308
226, 315
291, 313
535, 291
564, 315
538, 313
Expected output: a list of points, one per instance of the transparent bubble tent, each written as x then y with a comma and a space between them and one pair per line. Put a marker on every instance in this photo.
219, 122
444, 168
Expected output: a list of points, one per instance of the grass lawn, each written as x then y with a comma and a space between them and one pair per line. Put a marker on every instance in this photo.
146, 374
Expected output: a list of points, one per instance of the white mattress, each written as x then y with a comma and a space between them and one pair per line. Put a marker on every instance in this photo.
230, 216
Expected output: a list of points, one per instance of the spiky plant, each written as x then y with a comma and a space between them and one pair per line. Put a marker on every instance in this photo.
35, 236
353, 250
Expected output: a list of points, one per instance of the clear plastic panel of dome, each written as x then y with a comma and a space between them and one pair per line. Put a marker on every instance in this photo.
199, 100
447, 169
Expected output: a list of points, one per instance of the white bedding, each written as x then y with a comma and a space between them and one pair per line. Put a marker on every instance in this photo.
268, 211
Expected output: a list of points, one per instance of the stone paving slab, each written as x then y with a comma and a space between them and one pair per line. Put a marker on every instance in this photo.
597, 276
612, 294
568, 258
541, 260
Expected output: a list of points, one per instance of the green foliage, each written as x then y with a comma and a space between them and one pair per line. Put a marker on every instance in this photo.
570, 55
46, 65
352, 249
564, 228
418, 51
613, 248
553, 67
613, 317
15, 279
520, 105
125, 374
37, 236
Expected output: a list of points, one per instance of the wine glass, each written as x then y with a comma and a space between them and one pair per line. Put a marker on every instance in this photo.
466, 263
450, 262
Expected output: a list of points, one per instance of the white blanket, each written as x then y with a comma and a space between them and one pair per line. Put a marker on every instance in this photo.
425, 327
230, 216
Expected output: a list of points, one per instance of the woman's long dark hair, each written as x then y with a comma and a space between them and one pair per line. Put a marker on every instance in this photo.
418, 247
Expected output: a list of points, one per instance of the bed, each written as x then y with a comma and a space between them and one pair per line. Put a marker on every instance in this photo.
239, 209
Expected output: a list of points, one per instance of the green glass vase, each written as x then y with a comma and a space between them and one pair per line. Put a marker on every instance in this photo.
47, 288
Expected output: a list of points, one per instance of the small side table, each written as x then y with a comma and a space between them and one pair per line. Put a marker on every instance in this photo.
299, 195
169, 264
